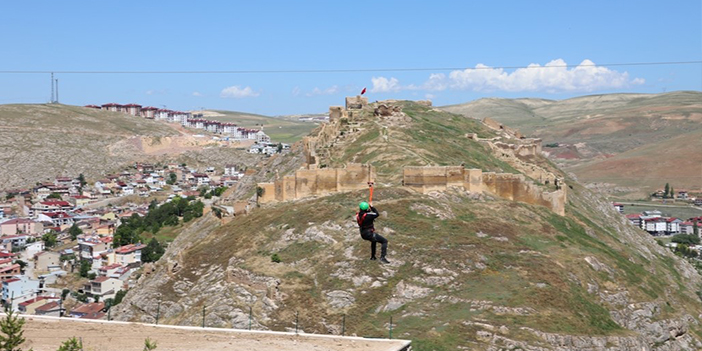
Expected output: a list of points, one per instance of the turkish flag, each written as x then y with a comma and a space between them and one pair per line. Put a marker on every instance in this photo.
363, 91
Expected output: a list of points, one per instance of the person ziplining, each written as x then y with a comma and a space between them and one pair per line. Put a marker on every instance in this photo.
365, 218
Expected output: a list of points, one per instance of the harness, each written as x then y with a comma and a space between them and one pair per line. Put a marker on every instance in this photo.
360, 217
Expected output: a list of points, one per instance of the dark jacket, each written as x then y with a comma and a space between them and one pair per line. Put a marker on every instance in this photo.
365, 219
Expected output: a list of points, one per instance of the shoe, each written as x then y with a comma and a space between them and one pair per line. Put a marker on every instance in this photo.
383, 260
373, 258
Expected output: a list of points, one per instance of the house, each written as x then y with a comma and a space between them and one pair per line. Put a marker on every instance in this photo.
635, 219
30, 306
652, 213
103, 287
91, 246
201, 179
10, 242
46, 261
655, 225
230, 170
8, 272
21, 225
261, 137
48, 206
58, 219
18, 288
52, 308
126, 255
673, 225
80, 200
619, 207
91, 310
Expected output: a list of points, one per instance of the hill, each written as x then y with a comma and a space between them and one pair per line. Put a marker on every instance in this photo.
40, 142
279, 129
622, 139
468, 270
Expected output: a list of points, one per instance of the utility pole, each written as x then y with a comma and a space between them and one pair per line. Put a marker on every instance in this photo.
57, 99
51, 100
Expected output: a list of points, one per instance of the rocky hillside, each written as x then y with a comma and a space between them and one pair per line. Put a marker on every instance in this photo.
468, 271
629, 140
40, 142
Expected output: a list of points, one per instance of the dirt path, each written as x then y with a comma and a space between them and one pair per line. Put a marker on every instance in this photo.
47, 333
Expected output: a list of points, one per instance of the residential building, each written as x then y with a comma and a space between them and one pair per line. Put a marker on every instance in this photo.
126, 255
655, 225
52, 308
19, 288
9, 272
92, 246
619, 207
21, 226
92, 310
30, 306
46, 261
104, 287
635, 219
10, 242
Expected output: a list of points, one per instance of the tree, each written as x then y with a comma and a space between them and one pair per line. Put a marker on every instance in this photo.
71, 344
152, 252
54, 196
172, 178
74, 231
666, 191
49, 239
686, 239
280, 147
672, 193
11, 333
84, 268
695, 228
118, 297
81, 179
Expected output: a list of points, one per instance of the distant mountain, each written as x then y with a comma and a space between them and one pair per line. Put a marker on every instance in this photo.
630, 140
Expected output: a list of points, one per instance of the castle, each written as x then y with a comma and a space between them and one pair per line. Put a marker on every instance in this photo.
510, 146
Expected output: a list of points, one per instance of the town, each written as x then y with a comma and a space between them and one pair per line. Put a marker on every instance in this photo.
72, 248
229, 131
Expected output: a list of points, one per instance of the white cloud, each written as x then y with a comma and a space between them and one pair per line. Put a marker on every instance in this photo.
553, 77
156, 92
237, 92
384, 85
196, 93
328, 91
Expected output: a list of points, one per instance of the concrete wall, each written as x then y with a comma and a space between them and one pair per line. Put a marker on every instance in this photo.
317, 181
335, 113
515, 187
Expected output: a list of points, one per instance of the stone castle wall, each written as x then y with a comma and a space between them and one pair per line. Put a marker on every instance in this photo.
317, 181
515, 187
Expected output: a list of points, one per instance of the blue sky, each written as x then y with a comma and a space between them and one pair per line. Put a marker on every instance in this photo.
312, 35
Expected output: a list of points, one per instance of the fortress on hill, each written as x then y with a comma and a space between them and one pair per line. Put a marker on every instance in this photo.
511, 146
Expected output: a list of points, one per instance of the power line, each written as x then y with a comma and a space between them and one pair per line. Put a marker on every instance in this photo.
350, 70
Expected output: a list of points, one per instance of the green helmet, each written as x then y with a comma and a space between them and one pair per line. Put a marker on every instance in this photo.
364, 206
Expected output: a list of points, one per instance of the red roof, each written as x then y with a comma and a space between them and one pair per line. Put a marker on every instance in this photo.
56, 203
100, 279
58, 215
633, 216
112, 266
38, 298
12, 280
129, 248
48, 307
80, 197
616, 204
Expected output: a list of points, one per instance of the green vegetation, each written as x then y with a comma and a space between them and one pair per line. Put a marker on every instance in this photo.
687, 239
71, 344
54, 196
166, 214
84, 268
74, 231
153, 251
11, 333
275, 258
49, 239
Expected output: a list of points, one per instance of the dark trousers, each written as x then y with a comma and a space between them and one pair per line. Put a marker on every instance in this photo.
373, 237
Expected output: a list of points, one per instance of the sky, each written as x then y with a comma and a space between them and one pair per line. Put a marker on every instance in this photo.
447, 51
